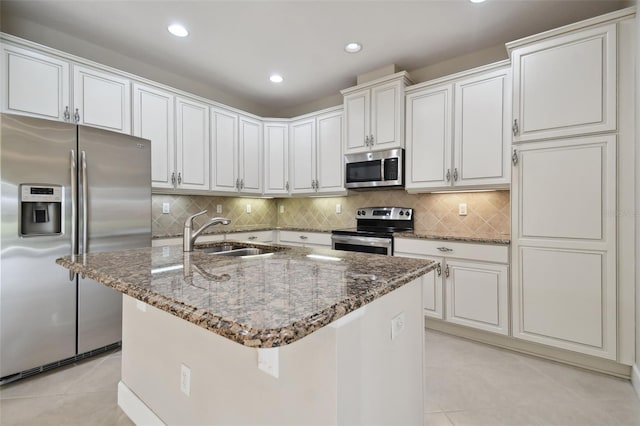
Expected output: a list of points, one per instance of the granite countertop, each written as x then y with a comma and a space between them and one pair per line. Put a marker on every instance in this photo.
262, 301
483, 238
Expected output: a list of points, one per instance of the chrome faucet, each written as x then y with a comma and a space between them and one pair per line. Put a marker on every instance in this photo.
189, 237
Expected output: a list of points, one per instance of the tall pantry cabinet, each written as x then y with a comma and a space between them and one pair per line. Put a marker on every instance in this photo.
564, 188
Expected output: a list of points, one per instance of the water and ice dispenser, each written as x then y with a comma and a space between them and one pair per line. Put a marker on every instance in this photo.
40, 210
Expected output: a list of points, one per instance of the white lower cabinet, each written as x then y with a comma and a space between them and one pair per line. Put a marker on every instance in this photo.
305, 239
470, 285
254, 237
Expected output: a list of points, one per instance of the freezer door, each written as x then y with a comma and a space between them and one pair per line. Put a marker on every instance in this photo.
115, 200
37, 298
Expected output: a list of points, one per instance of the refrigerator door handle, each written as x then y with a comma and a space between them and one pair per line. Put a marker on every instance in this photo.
74, 210
85, 204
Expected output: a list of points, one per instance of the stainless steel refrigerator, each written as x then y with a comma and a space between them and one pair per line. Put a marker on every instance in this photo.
66, 189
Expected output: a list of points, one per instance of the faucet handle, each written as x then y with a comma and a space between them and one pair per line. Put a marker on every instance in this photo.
189, 221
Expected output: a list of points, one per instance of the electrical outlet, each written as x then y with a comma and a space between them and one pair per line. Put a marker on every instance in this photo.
281, 209
185, 379
166, 208
338, 208
219, 208
248, 208
397, 325
166, 251
462, 209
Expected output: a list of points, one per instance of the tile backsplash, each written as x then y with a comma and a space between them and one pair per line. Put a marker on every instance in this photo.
488, 213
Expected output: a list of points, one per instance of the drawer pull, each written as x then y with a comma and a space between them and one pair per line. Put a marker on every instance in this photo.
303, 237
445, 249
253, 237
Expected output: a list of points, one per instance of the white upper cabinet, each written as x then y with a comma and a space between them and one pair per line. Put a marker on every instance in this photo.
316, 162
565, 85
276, 158
429, 117
374, 114
154, 119
329, 160
236, 152
192, 144
302, 159
458, 132
35, 84
250, 155
481, 136
101, 99
224, 150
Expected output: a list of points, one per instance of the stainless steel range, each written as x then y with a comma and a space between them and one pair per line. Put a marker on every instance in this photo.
374, 232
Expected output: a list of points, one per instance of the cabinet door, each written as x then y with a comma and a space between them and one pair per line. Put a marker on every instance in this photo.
330, 164
302, 158
387, 116
276, 159
153, 119
224, 151
477, 295
357, 126
564, 244
566, 85
432, 285
482, 138
101, 100
192, 126
250, 152
35, 84
429, 138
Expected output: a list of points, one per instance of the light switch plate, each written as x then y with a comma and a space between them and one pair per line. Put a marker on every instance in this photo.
248, 208
462, 209
281, 209
219, 208
185, 379
166, 208
338, 208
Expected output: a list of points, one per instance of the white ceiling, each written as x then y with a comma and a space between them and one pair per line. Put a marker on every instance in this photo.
236, 45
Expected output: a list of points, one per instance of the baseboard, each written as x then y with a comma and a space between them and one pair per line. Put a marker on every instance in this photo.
135, 409
588, 362
635, 379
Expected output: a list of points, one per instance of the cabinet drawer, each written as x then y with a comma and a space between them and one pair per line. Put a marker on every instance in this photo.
453, 249
257, 236
306, 238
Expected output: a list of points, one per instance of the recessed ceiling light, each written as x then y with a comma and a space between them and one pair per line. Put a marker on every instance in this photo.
276, 78
178, 30
477, 1
353, 47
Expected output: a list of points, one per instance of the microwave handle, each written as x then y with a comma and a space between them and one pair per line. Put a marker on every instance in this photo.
383, 177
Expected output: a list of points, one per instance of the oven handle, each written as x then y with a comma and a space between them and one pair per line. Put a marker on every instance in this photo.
363, 241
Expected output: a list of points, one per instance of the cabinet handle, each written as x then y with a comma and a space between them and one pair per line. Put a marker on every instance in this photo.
439, 269
448, 175
515, 128
173, 178
313, 184
238, 184
76, 116
304, 237
445, 249
514, 157
286, 186
67, 114
455, 174
317, 185
371, 140
179, 178
241, 184
446, 271
253, 237
366, 140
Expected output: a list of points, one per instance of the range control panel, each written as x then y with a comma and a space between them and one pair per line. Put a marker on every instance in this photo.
384, 213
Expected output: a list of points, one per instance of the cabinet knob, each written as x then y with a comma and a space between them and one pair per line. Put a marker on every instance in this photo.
253, 237
76, 116
514, 157
371, 140
515, 128
446, 271
455, 174
304, 237
445, 249
366, 140
67, 114
179, 178
173, 178
448, 175
286, 186
439, 269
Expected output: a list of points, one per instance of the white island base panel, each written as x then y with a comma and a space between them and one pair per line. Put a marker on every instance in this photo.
351, 372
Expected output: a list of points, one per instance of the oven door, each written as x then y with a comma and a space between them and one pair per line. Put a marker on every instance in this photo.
361, 244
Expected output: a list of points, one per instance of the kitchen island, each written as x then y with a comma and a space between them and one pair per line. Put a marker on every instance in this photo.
291, 336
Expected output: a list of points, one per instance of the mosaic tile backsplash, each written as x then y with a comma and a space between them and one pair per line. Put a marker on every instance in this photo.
488, 213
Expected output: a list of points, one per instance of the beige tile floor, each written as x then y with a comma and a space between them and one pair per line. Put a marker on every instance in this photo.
467, 383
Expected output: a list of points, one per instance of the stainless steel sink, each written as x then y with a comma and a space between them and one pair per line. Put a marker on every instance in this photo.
235, 250
246, 251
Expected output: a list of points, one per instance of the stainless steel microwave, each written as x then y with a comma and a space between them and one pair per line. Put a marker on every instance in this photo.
374, 169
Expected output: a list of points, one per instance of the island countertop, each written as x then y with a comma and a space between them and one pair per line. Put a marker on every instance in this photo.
261, 301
